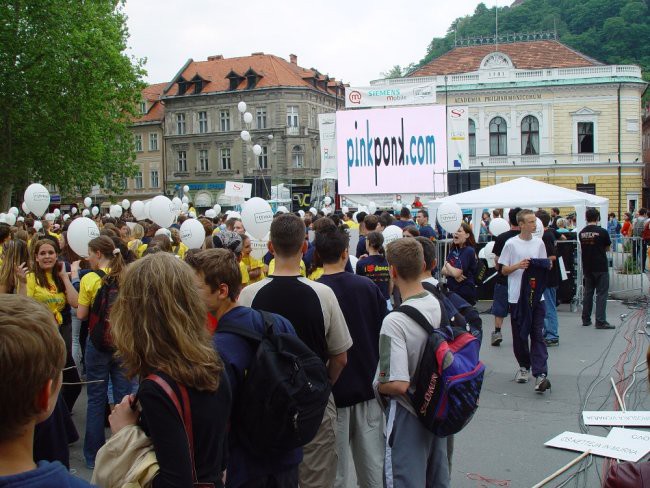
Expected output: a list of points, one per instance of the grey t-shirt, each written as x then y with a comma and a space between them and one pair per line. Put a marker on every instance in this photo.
401, 344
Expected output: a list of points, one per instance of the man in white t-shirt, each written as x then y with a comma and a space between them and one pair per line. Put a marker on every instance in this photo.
515, 258
415, 457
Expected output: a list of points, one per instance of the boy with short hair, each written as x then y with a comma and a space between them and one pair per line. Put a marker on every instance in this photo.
415, 457
32, 356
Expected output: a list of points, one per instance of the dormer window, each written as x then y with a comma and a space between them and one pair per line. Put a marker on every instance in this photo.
235, 80
252, 79
182, 86
143, 107
198, 83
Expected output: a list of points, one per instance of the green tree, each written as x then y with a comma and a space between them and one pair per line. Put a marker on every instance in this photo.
67, 94
394, 72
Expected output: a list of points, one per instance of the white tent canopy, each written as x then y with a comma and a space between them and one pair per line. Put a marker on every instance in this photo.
525, 193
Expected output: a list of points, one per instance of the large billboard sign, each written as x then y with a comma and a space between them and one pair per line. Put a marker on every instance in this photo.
390, 95
396, 150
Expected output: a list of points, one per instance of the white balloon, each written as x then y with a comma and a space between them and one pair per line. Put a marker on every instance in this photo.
66, 217
192, 233
116, 211
283, 209
241, 106
49, 217
364, 209
95, 211
10, 218
391, 233
245, 135
248, 117
137, 209
162, 211
126, 204
539, 228
234, 215
38, 225
37, 198
25, 208
185, 199
327, 200
326, 210
257, 217
217, 208
353, 262
88, 202
372, 207
313, 211
192, 215
450, 216
73, 210
345, 209
184, 207
21, 219
14, 211
210, 213
489, 254
177, 203
259, 247
80, 233
85, 212
301, 213
57, 212
498, 226
186, 188
257, 149
3, 218
147, 208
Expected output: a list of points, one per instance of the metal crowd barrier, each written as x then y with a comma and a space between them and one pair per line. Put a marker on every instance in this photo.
626, 262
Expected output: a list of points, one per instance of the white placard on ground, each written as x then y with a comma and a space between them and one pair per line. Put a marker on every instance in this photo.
630, 419
615, 448
634, 439
238, 189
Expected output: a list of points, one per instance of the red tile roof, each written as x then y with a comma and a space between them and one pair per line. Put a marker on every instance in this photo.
273, 71
152, 94
524, 55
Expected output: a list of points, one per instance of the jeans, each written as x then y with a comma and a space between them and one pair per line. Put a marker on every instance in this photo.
550, 321
598, 282
100, 366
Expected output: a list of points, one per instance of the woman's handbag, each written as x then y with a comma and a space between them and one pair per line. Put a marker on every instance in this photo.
128, 459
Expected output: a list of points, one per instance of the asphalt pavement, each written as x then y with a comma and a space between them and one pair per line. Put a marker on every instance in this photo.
503, 446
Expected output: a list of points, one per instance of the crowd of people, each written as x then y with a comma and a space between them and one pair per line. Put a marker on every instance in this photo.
162, 341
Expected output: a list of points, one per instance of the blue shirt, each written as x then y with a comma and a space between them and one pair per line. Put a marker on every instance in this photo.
427, 231
237, 354
46, 475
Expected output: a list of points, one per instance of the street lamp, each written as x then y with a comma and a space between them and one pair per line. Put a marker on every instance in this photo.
247, 121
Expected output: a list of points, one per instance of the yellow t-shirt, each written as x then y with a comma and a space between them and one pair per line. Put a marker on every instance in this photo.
351, 224
317, 273
245, 279
50, 296
252, 263
89, 286
303, 268
181, 250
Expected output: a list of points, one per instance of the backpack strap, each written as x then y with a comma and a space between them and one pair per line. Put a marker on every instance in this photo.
414, 314
100, 272
232, 328
184, 412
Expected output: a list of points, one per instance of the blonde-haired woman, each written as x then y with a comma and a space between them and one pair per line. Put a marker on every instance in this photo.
135, 245
158, 326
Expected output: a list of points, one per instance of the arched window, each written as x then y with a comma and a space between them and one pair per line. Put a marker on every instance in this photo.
472, 138
498, 137
530, 135
298, 157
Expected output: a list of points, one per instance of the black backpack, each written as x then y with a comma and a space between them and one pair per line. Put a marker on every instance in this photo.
99, 326
449, 377
285, 392
460, 312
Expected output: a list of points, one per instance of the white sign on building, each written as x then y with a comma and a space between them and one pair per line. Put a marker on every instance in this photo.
390, 95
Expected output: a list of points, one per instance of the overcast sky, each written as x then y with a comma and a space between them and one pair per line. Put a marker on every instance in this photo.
353, 40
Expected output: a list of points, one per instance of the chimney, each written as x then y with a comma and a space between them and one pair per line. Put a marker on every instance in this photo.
293, 58
215, 57
258, 54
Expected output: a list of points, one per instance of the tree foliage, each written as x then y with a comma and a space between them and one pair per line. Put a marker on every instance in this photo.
611, 31
67, 93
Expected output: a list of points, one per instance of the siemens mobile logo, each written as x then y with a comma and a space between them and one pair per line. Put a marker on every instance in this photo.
391, 150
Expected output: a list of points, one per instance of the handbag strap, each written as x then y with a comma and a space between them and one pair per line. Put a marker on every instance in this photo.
184, 411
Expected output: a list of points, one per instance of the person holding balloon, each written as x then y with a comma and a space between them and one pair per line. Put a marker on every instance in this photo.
461, 264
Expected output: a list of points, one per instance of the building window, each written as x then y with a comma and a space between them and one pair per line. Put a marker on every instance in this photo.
154, 178
180, 124
124, 182
585, 137
225, 159
182, 161
292, 116
586, 188
143, 107
472, 138
298, 157
313, 123
263, 159
203, 160
225, 120
153, 141
138, 143
138, 180
261, 118
530, 135
498, 137
203, 122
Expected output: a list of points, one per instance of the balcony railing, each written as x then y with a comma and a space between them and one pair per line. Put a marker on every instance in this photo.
293, 131
554, 159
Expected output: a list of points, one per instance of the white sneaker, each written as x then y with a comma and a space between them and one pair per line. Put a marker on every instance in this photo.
521, 376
